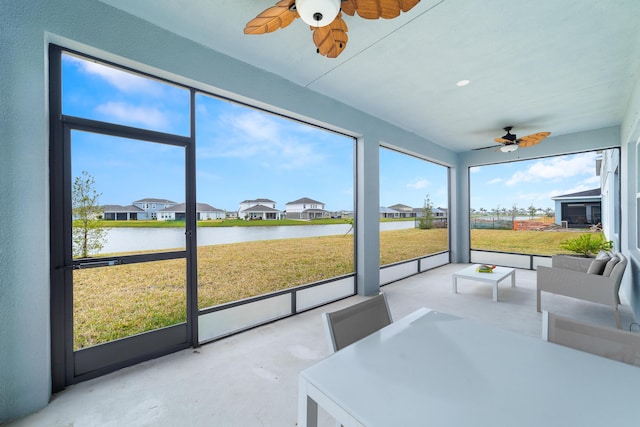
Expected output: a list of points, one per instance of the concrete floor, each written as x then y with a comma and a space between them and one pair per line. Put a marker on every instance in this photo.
250, 379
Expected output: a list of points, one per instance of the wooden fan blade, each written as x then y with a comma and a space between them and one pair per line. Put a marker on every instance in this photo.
331, 39
374, 9
533, 139
407, 5
503, 141
348, 7
269, 20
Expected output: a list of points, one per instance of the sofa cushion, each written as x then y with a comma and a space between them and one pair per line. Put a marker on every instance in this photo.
608, 268
598, 265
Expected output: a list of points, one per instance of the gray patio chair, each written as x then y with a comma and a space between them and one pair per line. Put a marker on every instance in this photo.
573, 277
350, 324
616, 344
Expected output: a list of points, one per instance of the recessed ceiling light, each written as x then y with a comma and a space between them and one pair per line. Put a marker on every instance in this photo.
463, 82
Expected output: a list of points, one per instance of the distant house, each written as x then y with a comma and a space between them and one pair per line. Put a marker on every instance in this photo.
178, 213
150, 207
404, 210
341, 214
579, 210
159, 209
258, 209
305, 208
206, 212
260, 212
121, 213
437, 212
388, 213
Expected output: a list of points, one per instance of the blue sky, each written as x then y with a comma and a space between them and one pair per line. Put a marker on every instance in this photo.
244, 153
532, 182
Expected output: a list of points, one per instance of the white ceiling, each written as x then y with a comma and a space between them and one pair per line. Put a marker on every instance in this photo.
547, 65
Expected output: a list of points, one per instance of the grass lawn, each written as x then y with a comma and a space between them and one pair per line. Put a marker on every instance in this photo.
115, 302
522, 242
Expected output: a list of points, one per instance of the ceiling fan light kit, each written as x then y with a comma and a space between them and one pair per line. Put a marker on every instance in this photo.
508, 148
325, 18
318, 13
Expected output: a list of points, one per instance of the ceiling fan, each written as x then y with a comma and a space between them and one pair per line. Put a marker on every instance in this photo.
325, 18
511, 143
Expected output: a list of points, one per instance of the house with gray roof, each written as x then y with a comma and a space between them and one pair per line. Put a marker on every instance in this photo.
259, 212
386, 212
437, 212
404, 210
258, 209
121, 213
151, 206
579, 210
178, 213
305, 208
159, 209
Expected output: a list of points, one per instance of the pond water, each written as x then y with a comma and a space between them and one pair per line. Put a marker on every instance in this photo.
143, 239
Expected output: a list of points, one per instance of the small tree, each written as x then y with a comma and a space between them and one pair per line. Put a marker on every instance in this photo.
514, 212
531, 210
89, 235
426, 221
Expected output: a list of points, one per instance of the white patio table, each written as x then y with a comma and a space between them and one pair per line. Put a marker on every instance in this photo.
433, 369
498, 274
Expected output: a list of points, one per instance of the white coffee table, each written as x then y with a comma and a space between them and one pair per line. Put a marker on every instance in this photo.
498, 274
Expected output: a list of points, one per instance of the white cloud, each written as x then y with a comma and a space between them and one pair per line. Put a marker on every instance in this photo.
535, 197
256, 135
555, 169
545, 197
255, 126
575, 189
495, 181
121, 80
131, 114
418, 184
594, 181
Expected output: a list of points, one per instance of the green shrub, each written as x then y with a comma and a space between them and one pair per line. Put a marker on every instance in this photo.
587, 244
